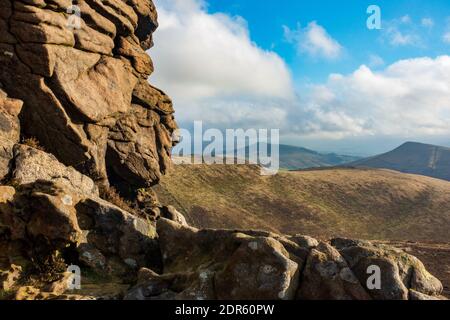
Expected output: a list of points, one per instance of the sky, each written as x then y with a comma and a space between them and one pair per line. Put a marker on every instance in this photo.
312, 69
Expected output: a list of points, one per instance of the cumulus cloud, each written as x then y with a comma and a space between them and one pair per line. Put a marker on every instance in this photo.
408, 98
314, 40
202, 56
213, 71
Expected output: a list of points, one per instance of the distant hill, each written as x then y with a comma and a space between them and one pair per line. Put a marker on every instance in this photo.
413, 157
295, 158
357, 203
301, 158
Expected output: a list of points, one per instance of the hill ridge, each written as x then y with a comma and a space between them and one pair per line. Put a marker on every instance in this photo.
412, 157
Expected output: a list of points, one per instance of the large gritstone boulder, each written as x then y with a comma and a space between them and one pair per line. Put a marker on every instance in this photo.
255, 265
81, 72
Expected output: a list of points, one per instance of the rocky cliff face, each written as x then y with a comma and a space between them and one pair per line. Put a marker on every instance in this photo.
81, 74
83, 94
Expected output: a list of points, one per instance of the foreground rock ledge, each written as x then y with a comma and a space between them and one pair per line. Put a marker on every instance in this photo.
235, 265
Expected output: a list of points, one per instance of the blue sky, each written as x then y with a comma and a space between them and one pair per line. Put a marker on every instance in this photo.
309, 68
345, 21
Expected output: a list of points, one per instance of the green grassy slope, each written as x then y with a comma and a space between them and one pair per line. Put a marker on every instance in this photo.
360, 203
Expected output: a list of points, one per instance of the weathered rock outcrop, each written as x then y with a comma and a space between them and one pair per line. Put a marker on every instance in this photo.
79, 86
56, 218
9, 130
81, 72
232, 265
30, 165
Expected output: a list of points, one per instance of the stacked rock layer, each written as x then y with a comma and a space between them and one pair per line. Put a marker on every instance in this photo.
81, 72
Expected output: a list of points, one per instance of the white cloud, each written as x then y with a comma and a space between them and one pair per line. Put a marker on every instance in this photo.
408, 98
427, 23
314, 40
214, 72
201, 56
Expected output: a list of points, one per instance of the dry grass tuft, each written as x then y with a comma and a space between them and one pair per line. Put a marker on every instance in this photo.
112, 195
45, 267
33, 142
